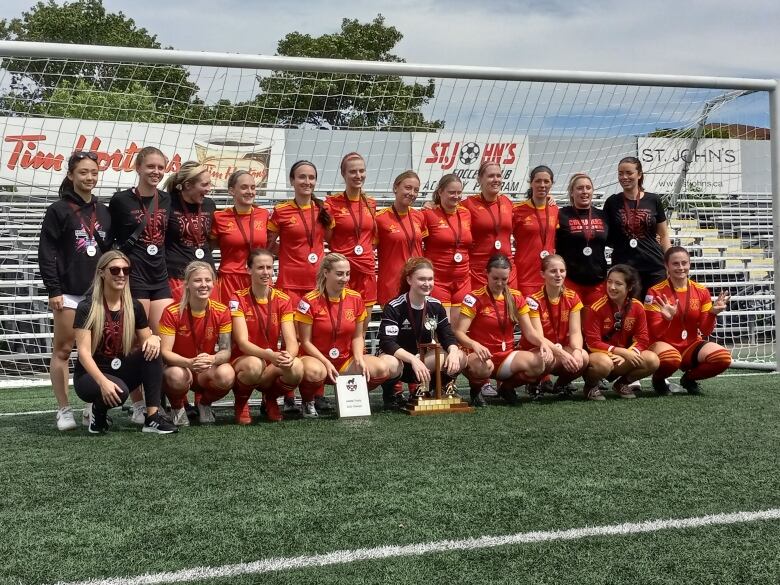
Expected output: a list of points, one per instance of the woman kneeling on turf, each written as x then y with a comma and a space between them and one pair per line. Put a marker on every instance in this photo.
486, 328
616, 335
330, 326
680, 314
555, 313
260, 314
196, 346
409, 321
116, 349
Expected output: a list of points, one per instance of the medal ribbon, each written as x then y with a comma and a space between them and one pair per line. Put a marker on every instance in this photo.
488, 207
261, 327
501, 322
684, 315
557, 326
335, 325
357, 224
543, 233
459, 233
196, 226
206, 320
112, 351
631, 217
89, 227
309, 231
250, 241
409, 239
588, 233
148, 214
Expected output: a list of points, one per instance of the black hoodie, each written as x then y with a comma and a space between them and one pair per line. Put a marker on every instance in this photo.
66, 268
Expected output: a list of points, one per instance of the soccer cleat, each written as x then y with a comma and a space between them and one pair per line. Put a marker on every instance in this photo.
508, 393
622, 389
564, 391
636, 386
99, 422
272, 411
289, 405
138, 413
180, 418
85, 414
322, 404
65, 420
603, 385
242, 415
691, 386
535, 391
547, 386
205, 414
488, 390
157, 423
308, 410
593, 393
191, 409
661, 387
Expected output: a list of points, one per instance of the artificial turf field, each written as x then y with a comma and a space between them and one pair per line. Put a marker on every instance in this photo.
77, 507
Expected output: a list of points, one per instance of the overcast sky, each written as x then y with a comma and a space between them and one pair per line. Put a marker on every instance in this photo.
717, 37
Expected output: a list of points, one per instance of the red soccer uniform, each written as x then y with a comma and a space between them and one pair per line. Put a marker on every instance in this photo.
534, 232
491, 225
353, 225
491, 326
696, 319
398, 238
600, 329
236, 239
300, 236
448, 235
553, 314
333, 321
195, 333
263, 331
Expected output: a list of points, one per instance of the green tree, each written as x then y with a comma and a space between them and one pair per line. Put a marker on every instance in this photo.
79, 100
88, 22
383, 102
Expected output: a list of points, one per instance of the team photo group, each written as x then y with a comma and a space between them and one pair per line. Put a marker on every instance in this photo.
133, 285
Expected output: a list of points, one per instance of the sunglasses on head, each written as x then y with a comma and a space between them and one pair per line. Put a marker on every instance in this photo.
117, 270
82, 154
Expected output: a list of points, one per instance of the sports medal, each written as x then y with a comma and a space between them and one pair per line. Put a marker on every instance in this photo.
458, 257
587, 251
313, 258
152, 250
200, 254
333, 353
91, 250
116, 363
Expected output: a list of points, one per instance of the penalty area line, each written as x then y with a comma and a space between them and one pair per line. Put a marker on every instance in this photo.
341, 557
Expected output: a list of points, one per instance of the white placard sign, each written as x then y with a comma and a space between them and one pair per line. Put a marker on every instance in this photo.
714, 167
352, 396
435, 155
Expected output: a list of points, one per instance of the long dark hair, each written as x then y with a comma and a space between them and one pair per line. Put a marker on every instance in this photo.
535, 171
323, 216
67, 184
631, 276
635, 161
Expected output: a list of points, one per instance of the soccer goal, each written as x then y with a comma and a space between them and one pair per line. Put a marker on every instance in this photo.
704, 144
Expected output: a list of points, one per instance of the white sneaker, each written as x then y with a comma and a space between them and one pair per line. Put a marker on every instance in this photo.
65, 420
138, 414
205, 414
489, 390
179, 417
635, 385
86, 414
309, 410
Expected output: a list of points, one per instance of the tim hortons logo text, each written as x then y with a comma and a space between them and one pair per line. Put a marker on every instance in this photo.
446, 154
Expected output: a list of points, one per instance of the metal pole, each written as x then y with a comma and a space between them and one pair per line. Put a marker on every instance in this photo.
774, 158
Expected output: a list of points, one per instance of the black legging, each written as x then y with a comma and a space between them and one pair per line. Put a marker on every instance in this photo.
135, 370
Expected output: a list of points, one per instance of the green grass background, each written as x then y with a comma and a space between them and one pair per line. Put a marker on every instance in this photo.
75, 506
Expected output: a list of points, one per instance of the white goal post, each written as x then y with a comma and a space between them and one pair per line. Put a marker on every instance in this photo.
707, 144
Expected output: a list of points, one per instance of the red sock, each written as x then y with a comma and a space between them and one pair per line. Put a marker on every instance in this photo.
177, 401
715, 363
241, 391
309, 390
670, 363
212, 394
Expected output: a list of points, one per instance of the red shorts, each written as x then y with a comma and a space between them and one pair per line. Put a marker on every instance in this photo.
365, 284
177, 288
230, 283
588, 294
498, 359
451, 293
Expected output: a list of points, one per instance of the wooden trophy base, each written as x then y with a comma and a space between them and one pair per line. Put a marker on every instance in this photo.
447, 404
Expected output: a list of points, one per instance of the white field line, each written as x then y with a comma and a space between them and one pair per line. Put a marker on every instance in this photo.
341, 557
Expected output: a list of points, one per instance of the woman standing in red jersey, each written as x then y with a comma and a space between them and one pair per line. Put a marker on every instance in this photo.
296, 231
555, 313
616, 334
534, 221
261, 313
447, 243
491, 224
680, 314
196, 345
580, 240
353, 228
487, 329
330, 326
237, 231
400, 232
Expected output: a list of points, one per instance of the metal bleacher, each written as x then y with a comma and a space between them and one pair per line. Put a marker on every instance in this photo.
730, 240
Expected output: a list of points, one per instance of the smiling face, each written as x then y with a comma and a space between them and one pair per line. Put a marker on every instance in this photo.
196, 189
490, 180
151, 171
421, 281
541, 183
582, 193
115, 282
84, 176
354, 173
243, 191
451, 195
617, 287
406, 192
678, 266
555, 273
628, 176
337, 277
304, 180
200, 284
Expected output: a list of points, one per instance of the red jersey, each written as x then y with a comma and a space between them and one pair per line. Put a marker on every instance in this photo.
264, 331
353, 225
235, 238
300, 236
491, 225
696, 320
600, 330
398, 238
333, 321
553, 314
534, 231
195, 333
491, 325
447, 235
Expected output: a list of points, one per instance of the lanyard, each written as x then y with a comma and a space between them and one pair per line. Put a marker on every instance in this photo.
357, 224
631, 217
687, 298
459, 233
543, 233
557, 326
501, 322
89, 227
258, 310
416, 326
117, 326
588, 233
309, 231
198, 344
409, 239
250, 241
488, 207
335, 325
196, 226
148, 214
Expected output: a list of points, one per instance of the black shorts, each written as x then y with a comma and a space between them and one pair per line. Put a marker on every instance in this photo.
155, 293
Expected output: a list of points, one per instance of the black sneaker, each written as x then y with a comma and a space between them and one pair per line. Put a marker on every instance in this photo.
661, 387
396, 402
547, 387
477, 398
290, 407
535, 391
322, 404
157, 423
691, 386
564, 391
191, 410
99, 422
508, 393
